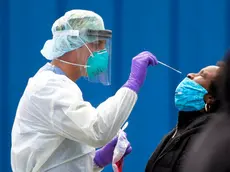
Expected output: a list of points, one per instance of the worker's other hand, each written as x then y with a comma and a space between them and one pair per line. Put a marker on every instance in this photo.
139, 67
104, 156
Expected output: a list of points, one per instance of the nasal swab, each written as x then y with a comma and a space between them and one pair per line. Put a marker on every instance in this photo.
169, 66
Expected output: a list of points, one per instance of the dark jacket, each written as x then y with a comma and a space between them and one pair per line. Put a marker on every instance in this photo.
169, 154
210, 152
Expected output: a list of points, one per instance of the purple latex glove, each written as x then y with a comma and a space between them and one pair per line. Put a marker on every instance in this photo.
139, 67
104, 156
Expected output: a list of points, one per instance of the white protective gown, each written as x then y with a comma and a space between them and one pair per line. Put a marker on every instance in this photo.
55, 130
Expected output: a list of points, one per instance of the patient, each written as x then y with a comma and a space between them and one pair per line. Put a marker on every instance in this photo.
195, 98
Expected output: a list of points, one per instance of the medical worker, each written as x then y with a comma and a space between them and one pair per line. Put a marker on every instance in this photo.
55, 130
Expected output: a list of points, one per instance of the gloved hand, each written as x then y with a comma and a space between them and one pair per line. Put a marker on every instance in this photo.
104, 155
139, 70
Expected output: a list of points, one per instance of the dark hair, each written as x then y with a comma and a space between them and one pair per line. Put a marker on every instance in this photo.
224, 82
214, 92
216, 89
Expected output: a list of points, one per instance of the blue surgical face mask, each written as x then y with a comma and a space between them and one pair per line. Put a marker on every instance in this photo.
189, 96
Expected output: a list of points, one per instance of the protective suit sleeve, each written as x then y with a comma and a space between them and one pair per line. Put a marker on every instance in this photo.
73, 118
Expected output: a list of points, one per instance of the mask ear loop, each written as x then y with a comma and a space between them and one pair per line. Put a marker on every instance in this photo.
74, 33
85, 66
86, 46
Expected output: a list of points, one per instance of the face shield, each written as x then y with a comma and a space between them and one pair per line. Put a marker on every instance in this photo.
78, 28
97, 68
98, 65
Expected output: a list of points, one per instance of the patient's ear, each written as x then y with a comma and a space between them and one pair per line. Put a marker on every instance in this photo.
209, 99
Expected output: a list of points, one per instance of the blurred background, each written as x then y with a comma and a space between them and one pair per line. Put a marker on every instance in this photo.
186, 34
